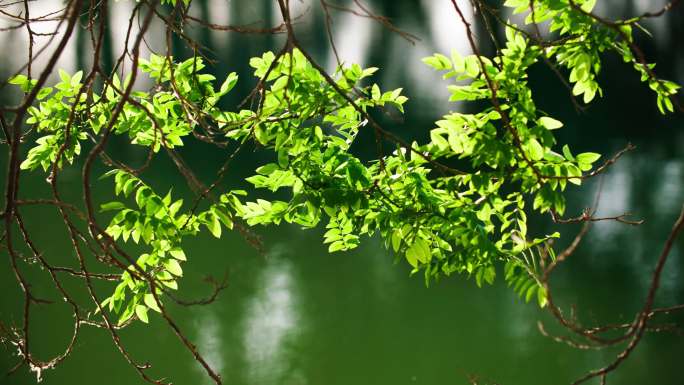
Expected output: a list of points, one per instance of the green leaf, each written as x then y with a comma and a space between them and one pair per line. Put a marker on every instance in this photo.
223, 216
43, 93
175, 206
536, 149
375, 92
170, 283
550, 123
76, 79
151, 303
129, 186
178, 254
574, 171
567, 153
336, 246
64, 76
588, 157
418, 252
213, 224
541, 297
472, 66
173, 267
153, 206
23, 82
396, 240
142, 195
267, 169
141, 312
112, 206
18, 79
458, 60
588, 5
438, 62
127, 313
229, 83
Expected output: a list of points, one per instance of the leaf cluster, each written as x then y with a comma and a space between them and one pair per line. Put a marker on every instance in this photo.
440, 220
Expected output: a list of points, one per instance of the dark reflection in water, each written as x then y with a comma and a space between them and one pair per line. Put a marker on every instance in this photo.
301, 316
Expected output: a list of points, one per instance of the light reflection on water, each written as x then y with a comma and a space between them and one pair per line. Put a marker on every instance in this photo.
445, 31
621, 186
271, 322
210, 339
668, 193
353, 36
614, 199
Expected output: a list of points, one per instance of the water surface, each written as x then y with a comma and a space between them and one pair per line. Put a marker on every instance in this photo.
298, 315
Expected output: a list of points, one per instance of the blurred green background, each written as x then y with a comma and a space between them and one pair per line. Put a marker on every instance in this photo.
298, 315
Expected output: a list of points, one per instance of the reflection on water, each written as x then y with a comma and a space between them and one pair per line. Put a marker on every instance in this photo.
614, 199
667, 194
210, 339
519, 327
445, 32
636, 7
671, 282
17, 41
353, 37
383, 280
271, 322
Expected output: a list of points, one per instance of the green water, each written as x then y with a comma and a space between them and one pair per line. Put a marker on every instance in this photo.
298, 315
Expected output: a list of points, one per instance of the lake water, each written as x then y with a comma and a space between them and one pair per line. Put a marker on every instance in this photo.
297, 315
